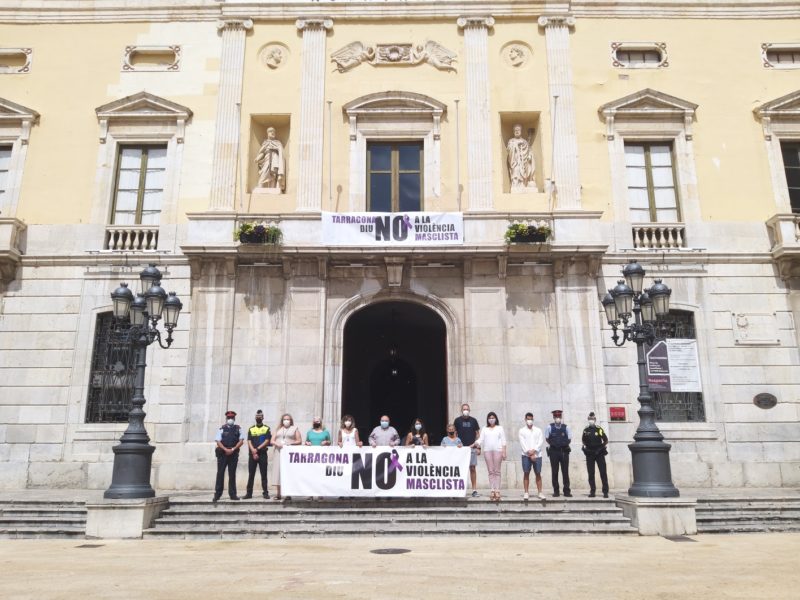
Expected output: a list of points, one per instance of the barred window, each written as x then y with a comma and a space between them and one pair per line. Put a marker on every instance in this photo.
112, 375
679, 407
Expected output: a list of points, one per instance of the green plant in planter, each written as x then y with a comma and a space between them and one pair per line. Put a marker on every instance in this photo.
258, 233
528, 232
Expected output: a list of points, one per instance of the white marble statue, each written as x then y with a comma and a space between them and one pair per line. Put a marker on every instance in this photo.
271, 164
521, 167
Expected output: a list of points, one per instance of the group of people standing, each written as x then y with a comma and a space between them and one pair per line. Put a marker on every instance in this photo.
464, 431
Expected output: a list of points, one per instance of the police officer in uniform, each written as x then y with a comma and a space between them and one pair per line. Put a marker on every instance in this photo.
229, 438
595, 441
258, 438
558, 436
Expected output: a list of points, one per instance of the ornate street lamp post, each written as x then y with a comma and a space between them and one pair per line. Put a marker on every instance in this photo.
135, 323
633, 314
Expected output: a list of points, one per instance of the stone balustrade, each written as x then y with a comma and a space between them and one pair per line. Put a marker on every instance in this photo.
131, 237
659, 235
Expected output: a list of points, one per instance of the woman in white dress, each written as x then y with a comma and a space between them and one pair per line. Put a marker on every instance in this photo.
287, 435
348, 434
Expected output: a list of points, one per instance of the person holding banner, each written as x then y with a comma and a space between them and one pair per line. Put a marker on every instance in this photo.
451, 439
287, 435
348, 434
417, 436
384, 434
318, 435
493, 443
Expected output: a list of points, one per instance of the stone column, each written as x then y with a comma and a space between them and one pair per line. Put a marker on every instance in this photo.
479, 142
312, 112
562, 111
228, 126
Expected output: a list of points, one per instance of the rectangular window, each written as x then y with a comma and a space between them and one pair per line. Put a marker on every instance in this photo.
791, 162
638, 57
140, 185
394, 176
112, 375
5, 163
652, 195
679, 407
784, 56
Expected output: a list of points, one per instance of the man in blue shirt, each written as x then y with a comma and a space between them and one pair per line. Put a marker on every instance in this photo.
559, 437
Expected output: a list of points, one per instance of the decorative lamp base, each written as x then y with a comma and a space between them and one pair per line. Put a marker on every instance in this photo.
652, 476
131, 475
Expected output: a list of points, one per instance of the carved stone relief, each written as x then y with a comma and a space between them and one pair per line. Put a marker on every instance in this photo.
274, 55
516, 55
355, 53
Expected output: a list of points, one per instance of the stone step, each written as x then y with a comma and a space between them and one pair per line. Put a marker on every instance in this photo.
747, 527
44, 521
47, 512
244, 510
42, 532
217, 532
421, 521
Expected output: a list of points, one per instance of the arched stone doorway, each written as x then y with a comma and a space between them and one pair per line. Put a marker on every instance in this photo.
395, 363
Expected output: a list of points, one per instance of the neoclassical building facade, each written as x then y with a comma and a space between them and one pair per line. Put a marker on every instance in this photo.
154, 131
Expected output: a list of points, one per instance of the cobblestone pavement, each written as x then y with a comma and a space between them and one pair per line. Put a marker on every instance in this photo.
552, 567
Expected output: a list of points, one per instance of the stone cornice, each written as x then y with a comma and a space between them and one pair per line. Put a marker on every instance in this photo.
98, 11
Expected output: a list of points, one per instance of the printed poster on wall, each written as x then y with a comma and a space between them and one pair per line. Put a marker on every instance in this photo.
393, 229
406, 472
673, 366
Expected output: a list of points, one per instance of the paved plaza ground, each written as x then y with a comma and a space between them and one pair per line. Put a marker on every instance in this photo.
763, 566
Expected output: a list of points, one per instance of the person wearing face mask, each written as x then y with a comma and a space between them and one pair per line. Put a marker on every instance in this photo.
493, 442
468, 430
229, 439
287, 435
417, 436
595, 442
318, 435
559, 437
451, 439
348, 434
531, 441
258, 438
384, 434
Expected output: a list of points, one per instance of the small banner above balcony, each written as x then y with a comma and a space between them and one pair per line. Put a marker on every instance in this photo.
393, 229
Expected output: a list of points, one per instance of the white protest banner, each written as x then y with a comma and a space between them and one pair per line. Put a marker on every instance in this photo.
393, 229
684, 366
405, 472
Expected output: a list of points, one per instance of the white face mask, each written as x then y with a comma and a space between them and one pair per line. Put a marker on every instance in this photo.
384, 424
492, 421
465, 413
230, 421
529, 422
348, 423
417, 426
558, 421
591, 422
286, 422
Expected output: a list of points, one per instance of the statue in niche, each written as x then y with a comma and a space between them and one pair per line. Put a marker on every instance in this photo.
271, 164
521, 167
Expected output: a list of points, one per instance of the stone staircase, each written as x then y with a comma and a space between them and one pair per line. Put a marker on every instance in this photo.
42, 519
740, 514
198, 519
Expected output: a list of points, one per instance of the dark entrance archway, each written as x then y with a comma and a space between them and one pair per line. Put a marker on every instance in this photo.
395, 363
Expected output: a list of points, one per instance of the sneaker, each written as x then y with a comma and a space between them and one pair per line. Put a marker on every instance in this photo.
542, 496
525, 496
475, 493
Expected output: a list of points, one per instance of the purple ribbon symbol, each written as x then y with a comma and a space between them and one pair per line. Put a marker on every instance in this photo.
395, 462
407, 221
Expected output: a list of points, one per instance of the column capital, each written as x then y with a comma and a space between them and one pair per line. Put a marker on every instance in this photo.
473, 21
314, 23
243, 24
557, 21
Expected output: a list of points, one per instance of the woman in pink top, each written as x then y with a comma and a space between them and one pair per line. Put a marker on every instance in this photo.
492, 442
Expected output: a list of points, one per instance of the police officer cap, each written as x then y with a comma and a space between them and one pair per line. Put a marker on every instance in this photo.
230, 413
591, 415
557, 413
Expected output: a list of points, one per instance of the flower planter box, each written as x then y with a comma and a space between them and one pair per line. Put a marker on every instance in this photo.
529, 238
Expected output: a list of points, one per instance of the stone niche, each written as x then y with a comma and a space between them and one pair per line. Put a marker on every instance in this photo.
530, 128
261, 199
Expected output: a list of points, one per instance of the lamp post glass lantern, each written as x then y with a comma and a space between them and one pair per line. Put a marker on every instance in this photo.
136, 323
633, 313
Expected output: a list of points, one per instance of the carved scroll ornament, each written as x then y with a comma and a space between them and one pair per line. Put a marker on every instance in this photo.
355, 53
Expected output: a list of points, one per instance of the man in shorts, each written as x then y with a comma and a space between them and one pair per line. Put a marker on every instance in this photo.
468, 431
531, 441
